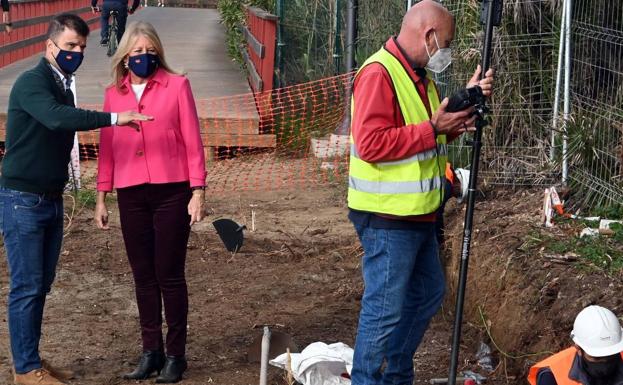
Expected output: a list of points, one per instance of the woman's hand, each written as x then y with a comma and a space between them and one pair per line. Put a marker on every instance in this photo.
196, 206
101, 211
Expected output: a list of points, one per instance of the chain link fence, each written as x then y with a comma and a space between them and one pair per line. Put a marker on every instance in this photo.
524, 46
314, 34
595, 141
376, 23
519, 140
312, 39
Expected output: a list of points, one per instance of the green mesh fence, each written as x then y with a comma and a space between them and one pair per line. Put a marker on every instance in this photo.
378, 20
312, 38
314, 34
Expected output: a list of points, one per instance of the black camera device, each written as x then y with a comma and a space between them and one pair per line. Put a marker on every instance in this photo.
465, 98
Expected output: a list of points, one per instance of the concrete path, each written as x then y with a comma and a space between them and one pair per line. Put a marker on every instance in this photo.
194, 42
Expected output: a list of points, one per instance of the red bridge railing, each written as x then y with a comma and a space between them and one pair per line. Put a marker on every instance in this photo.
30, 22
260, 33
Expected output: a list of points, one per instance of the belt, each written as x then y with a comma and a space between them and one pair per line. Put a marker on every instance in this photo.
52, 195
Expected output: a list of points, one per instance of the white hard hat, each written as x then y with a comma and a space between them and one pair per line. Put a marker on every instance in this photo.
598, 332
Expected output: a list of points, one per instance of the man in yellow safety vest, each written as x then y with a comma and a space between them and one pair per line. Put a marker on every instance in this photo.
399, 133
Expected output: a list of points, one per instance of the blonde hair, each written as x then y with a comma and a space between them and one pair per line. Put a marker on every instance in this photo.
131, 34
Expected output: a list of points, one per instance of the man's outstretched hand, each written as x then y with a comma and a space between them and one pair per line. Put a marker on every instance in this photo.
129, 118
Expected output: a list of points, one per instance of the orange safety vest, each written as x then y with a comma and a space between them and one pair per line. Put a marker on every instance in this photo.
560, 364
449, 173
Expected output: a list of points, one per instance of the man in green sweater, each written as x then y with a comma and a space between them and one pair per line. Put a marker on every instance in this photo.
41, 123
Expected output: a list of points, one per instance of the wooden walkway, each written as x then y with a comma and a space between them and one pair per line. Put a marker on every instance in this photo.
194, 43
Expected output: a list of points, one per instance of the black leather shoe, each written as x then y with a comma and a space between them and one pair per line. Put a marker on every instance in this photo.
150, 362
172, 371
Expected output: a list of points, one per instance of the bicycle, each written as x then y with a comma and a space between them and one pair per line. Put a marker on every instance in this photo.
113, 30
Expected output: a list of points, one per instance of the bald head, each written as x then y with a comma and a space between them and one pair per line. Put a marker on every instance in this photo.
422, 23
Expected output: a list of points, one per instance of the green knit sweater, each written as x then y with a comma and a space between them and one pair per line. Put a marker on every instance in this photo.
39, 132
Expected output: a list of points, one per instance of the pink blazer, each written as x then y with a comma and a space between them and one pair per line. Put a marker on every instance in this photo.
167, 149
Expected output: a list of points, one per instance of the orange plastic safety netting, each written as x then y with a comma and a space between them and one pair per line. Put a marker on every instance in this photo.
285, 138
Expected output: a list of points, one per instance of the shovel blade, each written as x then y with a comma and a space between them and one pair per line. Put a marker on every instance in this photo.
230, 233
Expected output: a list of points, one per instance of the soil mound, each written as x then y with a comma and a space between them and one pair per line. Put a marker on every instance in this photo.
521, 300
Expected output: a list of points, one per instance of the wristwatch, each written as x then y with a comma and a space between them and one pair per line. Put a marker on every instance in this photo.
202, 188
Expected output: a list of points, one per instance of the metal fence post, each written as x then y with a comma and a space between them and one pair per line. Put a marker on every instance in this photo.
337, 49
351, 65
561, 49
567, 102
280, 43
351, 34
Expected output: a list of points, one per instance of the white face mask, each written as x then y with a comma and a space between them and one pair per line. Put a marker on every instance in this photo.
440, 60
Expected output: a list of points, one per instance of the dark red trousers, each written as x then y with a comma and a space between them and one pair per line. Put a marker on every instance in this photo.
155, 227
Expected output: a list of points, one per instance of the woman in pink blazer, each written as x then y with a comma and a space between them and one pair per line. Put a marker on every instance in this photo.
159, 172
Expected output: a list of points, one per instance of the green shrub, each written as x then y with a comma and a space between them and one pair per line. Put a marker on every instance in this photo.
232, 16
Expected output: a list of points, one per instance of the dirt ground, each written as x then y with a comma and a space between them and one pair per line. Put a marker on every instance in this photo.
301, 268
522, 300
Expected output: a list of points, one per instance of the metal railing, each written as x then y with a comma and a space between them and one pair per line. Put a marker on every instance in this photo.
30, 22
260, 33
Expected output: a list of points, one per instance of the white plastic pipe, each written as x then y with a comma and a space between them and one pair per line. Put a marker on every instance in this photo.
561, 48
264, 362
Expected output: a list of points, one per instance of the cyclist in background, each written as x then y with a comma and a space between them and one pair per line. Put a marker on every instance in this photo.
121, 6
6, 16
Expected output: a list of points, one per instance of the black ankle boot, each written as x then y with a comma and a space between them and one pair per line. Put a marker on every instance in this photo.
151, 361
172, 371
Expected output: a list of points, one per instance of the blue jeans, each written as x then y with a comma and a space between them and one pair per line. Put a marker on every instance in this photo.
404, 288
32, 227
121, 18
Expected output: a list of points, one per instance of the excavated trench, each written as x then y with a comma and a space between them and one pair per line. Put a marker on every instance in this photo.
519, 301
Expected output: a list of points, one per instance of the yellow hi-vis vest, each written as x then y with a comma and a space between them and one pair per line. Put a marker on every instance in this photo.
411, 186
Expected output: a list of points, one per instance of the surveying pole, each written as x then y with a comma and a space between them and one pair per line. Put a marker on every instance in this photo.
491, 16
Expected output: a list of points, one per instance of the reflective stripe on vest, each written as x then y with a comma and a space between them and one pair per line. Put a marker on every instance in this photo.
421, 186
442, 150
410, 186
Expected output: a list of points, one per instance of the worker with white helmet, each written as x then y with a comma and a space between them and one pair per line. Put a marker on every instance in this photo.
595, 358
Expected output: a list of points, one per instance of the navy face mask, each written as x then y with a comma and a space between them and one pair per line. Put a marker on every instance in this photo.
143, 65
602, 370
68, 61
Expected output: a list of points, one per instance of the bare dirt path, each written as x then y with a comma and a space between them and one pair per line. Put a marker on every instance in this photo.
301, 268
